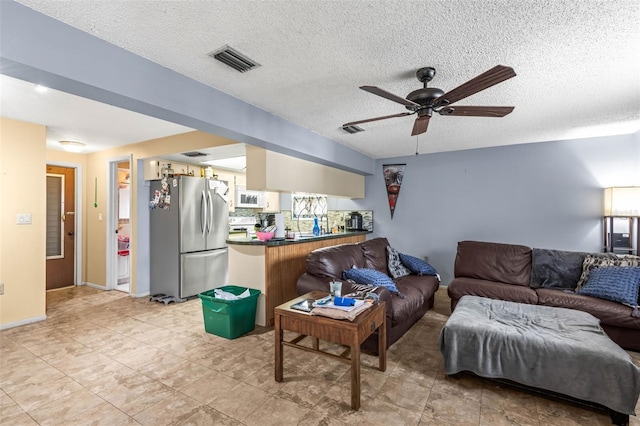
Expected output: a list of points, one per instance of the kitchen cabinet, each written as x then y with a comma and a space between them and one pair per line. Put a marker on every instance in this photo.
271, 201
230, 178
151, 169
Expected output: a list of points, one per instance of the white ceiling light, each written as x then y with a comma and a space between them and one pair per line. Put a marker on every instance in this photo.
41, 89
72, 146
233, 163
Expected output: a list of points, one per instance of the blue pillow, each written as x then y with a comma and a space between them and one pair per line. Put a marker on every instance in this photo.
617, 283
371, 276
417, 266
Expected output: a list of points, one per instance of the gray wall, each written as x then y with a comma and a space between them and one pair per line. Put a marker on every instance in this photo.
547, 195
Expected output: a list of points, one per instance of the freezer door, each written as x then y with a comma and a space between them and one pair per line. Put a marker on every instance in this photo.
217, 218
193, 205
203, 271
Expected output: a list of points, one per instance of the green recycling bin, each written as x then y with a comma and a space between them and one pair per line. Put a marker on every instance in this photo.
229, 318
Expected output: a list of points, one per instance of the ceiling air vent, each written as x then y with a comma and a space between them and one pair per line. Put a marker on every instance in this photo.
352, 129
194, 154
234, 59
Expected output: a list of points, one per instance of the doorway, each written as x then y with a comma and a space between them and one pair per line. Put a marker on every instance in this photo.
120, 222
60, 227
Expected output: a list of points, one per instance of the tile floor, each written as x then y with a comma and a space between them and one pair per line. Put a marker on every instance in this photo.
104, 358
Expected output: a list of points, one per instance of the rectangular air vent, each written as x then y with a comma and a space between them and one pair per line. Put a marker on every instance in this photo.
234, 59
352, 129
194, 154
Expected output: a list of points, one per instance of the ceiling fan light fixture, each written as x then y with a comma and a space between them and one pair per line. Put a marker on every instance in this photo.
73, 146
352, 129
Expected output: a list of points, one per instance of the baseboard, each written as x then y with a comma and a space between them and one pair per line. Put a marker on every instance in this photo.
99, 287
23, 322
139, 295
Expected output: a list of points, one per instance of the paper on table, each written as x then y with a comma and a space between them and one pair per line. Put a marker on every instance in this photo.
339, 314
342, 308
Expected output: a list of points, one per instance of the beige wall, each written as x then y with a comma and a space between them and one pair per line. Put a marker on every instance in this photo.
22, 247
95, 231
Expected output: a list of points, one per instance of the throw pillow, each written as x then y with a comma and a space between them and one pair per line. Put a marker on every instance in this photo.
556, 268
593, 261
417, 266
617, 283
371, 276
395, 266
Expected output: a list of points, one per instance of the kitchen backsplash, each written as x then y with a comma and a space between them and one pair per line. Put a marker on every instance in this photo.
305, 225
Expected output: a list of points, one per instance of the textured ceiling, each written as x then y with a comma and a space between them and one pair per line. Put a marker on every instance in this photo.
577, 62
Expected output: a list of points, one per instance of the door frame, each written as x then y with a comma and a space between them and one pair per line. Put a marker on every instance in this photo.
77, 219
112, 220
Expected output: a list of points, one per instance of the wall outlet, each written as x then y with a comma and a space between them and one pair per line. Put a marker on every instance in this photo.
1, 289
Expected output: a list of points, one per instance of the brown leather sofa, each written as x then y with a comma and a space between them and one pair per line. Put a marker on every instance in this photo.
505, 271
327, 264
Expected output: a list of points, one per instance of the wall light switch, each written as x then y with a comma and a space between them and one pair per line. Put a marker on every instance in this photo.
23, 218
99, 217
1, 289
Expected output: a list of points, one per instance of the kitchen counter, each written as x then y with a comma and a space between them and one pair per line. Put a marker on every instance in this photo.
246, 241
273, 267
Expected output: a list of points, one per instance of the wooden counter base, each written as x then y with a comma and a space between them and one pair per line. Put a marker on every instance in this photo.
275, 269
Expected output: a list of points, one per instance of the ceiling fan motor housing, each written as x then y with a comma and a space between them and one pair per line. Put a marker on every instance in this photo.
424, 97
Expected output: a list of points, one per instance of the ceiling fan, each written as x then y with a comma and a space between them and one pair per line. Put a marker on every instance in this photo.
428, 100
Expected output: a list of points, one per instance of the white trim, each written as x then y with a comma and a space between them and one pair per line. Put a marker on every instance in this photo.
111, 225
23, 322
62, 214
77, 276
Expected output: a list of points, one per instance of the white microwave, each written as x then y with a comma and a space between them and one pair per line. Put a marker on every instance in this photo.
249, 199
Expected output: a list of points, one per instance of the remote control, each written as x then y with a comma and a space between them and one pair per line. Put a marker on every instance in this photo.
323, 301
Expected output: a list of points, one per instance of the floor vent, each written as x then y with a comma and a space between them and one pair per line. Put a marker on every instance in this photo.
194, 154
234, 59
352, 129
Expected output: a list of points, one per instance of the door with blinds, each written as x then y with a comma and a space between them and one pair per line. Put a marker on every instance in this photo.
60, 227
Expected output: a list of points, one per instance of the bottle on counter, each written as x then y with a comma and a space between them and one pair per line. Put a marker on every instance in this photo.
316, 227
334, 229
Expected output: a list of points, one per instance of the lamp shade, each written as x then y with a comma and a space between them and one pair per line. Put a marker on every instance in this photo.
622, 201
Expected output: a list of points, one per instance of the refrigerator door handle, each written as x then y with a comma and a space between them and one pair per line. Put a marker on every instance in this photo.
210, 200
203, 213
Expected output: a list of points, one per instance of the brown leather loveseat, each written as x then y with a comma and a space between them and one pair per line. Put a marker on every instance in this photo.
327, 264
537, 276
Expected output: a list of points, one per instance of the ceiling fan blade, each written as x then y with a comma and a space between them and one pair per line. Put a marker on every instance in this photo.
495, 75
388, 95
353, 123
476, 111
420, 125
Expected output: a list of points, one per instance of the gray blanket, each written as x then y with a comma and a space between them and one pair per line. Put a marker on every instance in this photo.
556, 349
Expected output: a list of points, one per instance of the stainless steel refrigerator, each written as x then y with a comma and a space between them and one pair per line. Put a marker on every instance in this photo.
188, 236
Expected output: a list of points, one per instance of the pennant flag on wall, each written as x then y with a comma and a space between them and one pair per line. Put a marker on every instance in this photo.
393, 174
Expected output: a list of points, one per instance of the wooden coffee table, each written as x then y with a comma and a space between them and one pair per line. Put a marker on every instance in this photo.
344, 332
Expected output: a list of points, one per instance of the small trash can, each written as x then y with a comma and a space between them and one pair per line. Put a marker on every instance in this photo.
229, 318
